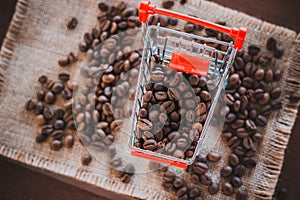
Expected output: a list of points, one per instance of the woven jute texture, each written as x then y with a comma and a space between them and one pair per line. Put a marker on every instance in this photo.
38, 37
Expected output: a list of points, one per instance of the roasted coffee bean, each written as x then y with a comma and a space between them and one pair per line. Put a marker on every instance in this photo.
259, 74
189, 27
239, 151
69, 141
41, 95
86, 159
230, 118
278, 51
116, 162
241, 195
234, 159
48, 113
271, 44
40, 120
248, 143
47, 129
213, 188
59, 124
145, 124
103, 6
200, 168
213, 157
168, 176
205, 95
41, 138
50, 98
63, 62
169, 106
72, 23
57, 134
167, 4
269, 75
277, 75
150, 145
250, 68
227, 189
253, 49
173, 21
56, 145
182, 143
178, 154
239, 170
83, 47
249, 162
233, 79
43, 79
111, 151
294, 97
206, 179
250, 125
236, 182
194, 192
276, 92
195, 178
211, 32
57, 87
178, 182
261, 120
30, 105
72, 58
226, 171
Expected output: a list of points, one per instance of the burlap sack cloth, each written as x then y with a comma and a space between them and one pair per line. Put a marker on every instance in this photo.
38, 37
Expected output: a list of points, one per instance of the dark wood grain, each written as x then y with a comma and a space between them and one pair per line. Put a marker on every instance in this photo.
17, 182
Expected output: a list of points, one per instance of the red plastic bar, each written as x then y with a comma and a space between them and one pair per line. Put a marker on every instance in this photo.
159, 160
147, 9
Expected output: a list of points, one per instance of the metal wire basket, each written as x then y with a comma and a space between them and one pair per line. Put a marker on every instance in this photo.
187, 53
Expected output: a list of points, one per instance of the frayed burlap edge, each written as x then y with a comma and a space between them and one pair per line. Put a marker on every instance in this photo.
274, 147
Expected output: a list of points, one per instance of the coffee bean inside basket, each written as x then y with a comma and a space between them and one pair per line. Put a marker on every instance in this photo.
172, 112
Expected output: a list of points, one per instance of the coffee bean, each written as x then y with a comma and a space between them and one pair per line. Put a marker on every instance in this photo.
206, 179
116, 162
86, 159
145, 124
167, 4
194, 192
182, 143
50, 98
253, 49
278, 51
43, 79
83, 47
59, 124
261, 120
236, 182
213, 188
103, 7
72, 23
189, 27
200, 168
69, 141
30, 105
250, 68
205, 95
294, 97
277, 75
40, 120
250, 125
233, 159
269, 75
47, 129
230, 118
169, 106
150, 145
233, 79
227, 189
111, 151
56, 145
239, 170
63, 62
168, 176
241, 195
173, 21
213, 157
226, 171
248, 143
48, 113
276, 92
178, 182
259, 74
40, 138
271, 44
249, 162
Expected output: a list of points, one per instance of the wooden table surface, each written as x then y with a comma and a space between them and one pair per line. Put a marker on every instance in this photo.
18, 182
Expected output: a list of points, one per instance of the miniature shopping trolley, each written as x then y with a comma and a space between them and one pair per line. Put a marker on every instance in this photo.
187, 53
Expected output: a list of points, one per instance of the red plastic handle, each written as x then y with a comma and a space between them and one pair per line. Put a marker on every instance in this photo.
147, 9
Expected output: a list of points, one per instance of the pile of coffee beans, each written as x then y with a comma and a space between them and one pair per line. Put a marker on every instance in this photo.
199, 172
174, 109
176, 184
56, 122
